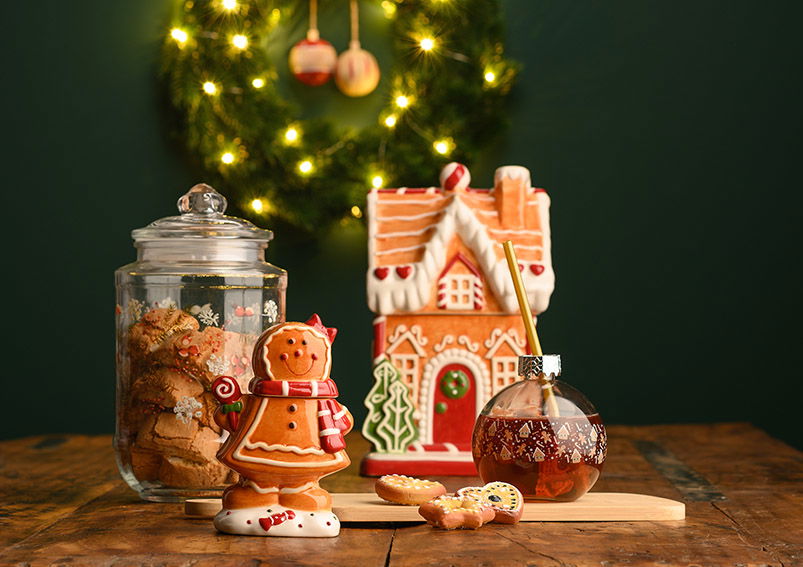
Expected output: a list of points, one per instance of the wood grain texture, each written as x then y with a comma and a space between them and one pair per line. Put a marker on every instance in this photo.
593, 507
67, 506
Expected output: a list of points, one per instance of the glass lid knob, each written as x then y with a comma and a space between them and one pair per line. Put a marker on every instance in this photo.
202, 199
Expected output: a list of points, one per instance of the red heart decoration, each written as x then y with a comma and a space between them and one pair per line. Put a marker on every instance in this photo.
537, 269
381, 273
404, 271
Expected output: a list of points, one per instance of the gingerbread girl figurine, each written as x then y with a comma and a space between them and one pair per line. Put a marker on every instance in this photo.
285, 436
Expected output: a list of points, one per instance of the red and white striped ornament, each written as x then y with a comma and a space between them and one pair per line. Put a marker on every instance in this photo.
455, 177
312, 60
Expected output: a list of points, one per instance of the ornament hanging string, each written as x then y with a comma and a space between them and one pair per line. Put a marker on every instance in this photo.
312, 33
355, 24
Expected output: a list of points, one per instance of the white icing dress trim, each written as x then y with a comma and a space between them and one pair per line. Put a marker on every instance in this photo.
330, 431
246, 443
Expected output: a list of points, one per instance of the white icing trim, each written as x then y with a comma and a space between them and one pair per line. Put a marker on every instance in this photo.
297, 489
460, 456
436, 201
314, 388
410, 217
340, 414
512, 172
466, 342
256, 488
246, 443
396, 250
324, 412
413, 336
503, 338
330, 431
482, 385
447, 340
451, 447
516, 231
406, 233
394, 295
327, 365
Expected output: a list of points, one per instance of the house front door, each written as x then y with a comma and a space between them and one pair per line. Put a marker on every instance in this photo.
454, 408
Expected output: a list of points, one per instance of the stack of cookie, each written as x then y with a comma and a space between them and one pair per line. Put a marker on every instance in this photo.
469, 508
167, 412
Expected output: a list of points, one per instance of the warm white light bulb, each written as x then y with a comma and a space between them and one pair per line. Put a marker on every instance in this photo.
305, 166
179, 35
390, 121
356, 211
377, 181
209, 88
441, 146
257, 205
229, 5
291, 135
402, 101
258, 83
490, 77
227, 158
427, 44
239, 41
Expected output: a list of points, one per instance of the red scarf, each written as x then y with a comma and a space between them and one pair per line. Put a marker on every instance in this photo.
333, 419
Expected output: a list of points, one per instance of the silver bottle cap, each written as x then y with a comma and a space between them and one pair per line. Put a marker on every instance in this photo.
531, 366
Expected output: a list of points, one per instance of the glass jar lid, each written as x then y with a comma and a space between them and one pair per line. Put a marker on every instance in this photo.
202, 216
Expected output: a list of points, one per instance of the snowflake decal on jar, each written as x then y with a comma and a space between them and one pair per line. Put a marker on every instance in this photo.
206, 315
270, 311
217, 366
166, 303
135, 309
187, 408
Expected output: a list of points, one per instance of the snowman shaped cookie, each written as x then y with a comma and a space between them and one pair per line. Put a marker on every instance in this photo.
285, 436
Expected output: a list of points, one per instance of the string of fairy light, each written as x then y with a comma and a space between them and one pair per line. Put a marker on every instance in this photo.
401, 99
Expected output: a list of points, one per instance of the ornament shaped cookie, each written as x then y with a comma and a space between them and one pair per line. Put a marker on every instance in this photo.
284, 436
401, 489
504, 499
453, 512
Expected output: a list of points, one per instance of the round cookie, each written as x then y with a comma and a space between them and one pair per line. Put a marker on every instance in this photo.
401, 489
504, 499
452, 512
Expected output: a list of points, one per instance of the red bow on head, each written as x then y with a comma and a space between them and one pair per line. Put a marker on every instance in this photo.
316, 323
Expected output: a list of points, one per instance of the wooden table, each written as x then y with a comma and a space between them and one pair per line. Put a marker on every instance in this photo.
62, 502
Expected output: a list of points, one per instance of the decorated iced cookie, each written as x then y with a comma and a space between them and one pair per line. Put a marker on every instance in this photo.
285, 436
407, 490
504, 499
452, 512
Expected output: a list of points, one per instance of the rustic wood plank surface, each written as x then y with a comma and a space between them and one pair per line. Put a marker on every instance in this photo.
62, 502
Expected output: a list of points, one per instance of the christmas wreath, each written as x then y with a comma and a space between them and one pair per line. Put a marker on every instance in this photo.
443, 93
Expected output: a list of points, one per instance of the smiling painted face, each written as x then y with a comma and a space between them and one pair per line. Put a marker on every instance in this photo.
293, 351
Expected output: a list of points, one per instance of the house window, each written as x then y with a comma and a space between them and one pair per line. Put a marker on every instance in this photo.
460, 291
407, 365
504, 371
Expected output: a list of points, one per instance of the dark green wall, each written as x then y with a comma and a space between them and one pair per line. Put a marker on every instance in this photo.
667, 133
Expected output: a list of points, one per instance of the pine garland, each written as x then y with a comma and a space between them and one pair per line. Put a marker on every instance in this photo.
239, 128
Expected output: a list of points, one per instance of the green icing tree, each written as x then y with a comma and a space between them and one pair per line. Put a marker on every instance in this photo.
389, 424
397, 428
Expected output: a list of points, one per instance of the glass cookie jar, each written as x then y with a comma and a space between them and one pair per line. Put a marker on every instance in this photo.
188, 310
540, 435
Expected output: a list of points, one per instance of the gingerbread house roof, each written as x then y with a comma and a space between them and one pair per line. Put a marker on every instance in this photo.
409, 232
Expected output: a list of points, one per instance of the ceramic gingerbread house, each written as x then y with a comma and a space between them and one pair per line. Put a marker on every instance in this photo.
447, 324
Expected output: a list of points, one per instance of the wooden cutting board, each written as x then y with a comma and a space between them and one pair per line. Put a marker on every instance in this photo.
593, 507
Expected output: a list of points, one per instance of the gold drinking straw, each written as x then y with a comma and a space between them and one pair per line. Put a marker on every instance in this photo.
529, 324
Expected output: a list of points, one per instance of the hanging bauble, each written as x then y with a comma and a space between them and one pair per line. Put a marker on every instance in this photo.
357, 72
312, 60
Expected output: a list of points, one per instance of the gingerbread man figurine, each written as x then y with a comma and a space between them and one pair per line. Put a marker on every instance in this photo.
285, 436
